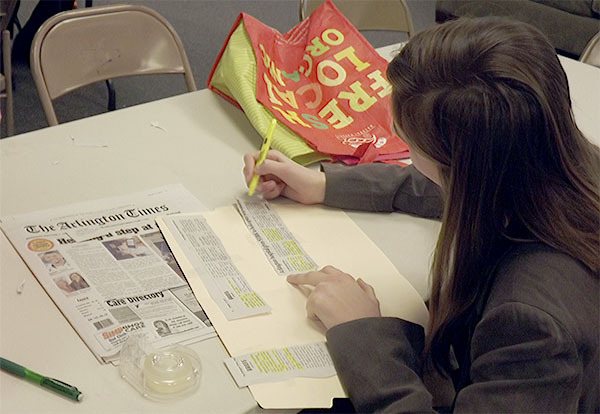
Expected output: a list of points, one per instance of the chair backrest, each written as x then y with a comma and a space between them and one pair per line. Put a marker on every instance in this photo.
591, 53
79, 47
369, 14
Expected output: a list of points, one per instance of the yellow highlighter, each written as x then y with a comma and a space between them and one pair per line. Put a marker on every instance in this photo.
262, 155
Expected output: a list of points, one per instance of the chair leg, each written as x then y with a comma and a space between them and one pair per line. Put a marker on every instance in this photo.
112, 95
10, 117
14, 19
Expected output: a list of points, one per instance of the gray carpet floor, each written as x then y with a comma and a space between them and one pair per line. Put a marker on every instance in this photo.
203, 26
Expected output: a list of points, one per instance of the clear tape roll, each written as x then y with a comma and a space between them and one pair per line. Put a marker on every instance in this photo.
160, 375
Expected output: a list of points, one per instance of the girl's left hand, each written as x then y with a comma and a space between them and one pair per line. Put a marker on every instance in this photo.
337, 297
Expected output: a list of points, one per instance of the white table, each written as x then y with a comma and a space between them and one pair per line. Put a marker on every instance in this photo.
201, 146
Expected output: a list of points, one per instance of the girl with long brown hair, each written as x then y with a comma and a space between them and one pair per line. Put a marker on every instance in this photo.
514, 308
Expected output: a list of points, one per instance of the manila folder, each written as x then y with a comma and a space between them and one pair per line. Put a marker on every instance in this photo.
330, 237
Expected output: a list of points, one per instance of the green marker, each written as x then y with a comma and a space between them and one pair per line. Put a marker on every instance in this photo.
52, 384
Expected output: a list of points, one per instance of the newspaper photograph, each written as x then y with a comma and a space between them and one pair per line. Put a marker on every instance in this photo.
108, 269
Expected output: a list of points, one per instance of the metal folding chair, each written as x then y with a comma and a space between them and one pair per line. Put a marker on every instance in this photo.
591, 53
7, 14
392, 15
79, 47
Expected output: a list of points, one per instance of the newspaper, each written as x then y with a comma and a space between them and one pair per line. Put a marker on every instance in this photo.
107, 267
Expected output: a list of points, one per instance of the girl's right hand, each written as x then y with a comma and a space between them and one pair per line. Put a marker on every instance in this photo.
281, 176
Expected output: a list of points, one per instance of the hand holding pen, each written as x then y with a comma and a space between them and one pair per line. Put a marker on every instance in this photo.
273, 174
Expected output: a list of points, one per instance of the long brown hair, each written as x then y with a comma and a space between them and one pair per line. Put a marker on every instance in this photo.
488, 101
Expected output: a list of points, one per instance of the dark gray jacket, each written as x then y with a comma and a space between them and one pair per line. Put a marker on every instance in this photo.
534, 345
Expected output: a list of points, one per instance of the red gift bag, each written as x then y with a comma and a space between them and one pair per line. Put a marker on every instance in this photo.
326, 83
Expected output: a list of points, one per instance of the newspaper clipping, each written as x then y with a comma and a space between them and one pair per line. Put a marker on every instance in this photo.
107, 267
307, 360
